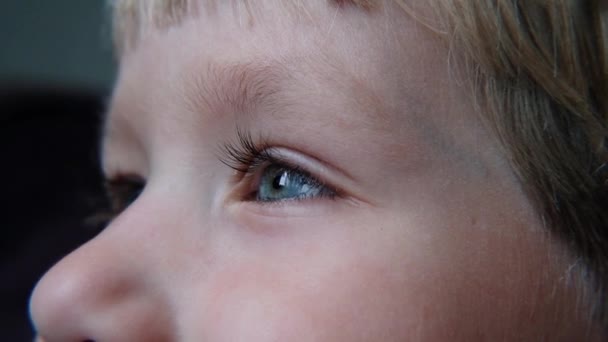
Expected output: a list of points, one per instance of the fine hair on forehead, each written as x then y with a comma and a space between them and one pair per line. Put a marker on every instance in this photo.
132, 18
539, 79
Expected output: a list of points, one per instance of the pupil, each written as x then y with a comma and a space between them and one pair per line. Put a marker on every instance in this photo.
280, 180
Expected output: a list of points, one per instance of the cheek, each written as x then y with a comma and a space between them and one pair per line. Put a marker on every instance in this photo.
311, 299
349, 283
419, 279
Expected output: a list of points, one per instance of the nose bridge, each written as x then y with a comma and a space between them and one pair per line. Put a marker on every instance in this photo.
102, 291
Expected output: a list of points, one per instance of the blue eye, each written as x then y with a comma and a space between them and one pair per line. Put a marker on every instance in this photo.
275, 179
280, 183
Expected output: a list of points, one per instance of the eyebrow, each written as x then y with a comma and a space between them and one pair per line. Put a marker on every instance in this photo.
241, 87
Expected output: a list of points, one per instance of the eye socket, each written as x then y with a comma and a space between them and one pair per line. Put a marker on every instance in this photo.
122, 191
281, 183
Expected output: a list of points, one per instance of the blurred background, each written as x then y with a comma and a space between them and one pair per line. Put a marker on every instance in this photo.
56, 72
59, 42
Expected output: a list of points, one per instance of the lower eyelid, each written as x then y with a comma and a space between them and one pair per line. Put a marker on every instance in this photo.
313, 208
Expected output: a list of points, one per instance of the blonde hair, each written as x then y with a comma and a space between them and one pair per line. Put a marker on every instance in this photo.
541, 81
132, 18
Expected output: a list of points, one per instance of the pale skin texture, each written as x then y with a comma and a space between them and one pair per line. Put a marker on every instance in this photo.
429, 239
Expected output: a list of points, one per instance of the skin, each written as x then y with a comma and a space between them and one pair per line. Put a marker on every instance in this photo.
430, 237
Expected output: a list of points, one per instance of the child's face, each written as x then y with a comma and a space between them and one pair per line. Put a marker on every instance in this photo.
407, 226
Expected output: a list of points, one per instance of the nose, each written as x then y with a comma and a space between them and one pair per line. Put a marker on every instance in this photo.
99, 293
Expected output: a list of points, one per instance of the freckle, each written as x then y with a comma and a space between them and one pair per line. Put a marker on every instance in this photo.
473, 220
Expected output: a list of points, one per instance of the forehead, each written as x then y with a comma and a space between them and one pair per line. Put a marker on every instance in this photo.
133, 18
222, 53
324, 44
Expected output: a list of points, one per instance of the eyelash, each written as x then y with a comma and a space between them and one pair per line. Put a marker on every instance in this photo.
246, 155
249, 157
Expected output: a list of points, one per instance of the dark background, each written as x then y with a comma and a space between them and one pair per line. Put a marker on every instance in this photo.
61, 42
56, 71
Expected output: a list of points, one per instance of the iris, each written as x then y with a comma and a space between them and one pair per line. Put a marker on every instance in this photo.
280, 183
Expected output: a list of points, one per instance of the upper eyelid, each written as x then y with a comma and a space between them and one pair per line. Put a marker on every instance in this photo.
231, 153
248, 154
